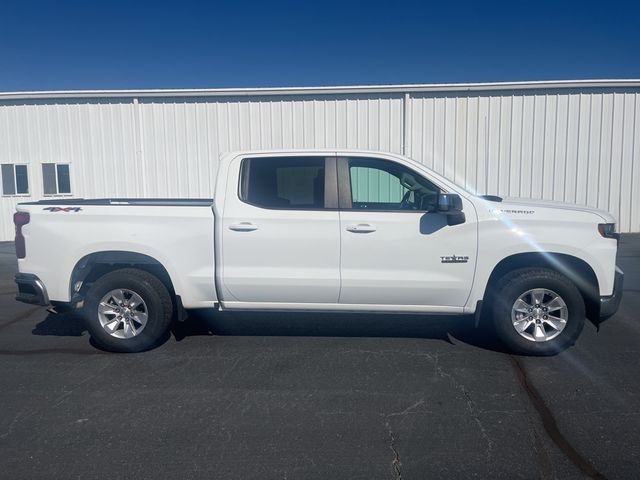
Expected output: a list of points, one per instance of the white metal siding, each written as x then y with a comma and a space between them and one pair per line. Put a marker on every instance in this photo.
579, 145
567, 146
181, 140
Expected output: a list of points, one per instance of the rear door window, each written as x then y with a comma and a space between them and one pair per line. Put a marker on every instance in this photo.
291, 183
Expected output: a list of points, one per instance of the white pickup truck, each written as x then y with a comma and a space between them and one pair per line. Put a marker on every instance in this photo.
322, 230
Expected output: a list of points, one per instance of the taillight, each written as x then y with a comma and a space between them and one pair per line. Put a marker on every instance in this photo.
20, 219
608, 230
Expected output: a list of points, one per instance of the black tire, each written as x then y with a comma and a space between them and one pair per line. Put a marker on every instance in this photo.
514, 284
156, 297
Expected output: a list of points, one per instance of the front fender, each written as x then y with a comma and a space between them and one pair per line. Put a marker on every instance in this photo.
580, 240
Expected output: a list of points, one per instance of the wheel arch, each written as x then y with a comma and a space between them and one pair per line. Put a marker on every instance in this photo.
574, 268
94, 265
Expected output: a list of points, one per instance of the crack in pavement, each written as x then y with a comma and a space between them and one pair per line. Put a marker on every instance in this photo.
548, 421
395, 462
22, 316
471, 405
409, 410
550, 425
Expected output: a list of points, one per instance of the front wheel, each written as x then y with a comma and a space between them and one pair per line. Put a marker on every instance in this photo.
128, 310
537, 311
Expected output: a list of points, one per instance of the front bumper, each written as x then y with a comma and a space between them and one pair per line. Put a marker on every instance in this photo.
609, 305
31, 289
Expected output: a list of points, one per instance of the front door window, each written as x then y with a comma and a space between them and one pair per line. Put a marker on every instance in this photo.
382, 185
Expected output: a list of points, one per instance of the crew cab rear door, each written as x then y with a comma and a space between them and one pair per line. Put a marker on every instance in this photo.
280, 232
397, 250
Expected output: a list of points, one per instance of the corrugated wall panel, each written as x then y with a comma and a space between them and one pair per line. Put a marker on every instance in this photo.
634, 214
181, 141
578, 146
96, 138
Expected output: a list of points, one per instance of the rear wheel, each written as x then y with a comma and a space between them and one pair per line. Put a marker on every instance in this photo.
128, 310
537, 311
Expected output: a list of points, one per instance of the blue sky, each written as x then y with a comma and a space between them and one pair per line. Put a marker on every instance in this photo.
187, 44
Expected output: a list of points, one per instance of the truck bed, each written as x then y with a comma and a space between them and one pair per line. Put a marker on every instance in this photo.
63, 232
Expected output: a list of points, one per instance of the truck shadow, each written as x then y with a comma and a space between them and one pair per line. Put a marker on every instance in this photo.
60, 325
449, 328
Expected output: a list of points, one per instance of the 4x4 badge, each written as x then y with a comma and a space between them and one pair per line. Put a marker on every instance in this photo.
63, 209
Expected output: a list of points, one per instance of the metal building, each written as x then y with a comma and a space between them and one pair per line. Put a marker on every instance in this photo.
572, 141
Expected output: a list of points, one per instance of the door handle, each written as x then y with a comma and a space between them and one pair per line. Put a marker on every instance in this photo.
361, 228
243, 227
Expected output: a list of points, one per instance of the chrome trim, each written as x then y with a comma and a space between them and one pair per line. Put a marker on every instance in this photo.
31, 289
609, 304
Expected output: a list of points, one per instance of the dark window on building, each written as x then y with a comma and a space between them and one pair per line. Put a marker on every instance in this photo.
15, 179
8, 180
56, 178
64, 183
22, 180
295, 183
49, 178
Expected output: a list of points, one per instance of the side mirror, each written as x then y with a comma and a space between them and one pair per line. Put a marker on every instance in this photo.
449, 203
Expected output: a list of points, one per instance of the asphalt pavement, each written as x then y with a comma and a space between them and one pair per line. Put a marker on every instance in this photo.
287, 396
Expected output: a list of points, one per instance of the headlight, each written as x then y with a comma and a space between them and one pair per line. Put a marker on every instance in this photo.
608, 230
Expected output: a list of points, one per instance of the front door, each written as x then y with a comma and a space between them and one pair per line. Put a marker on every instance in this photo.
396, 249
280, 232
